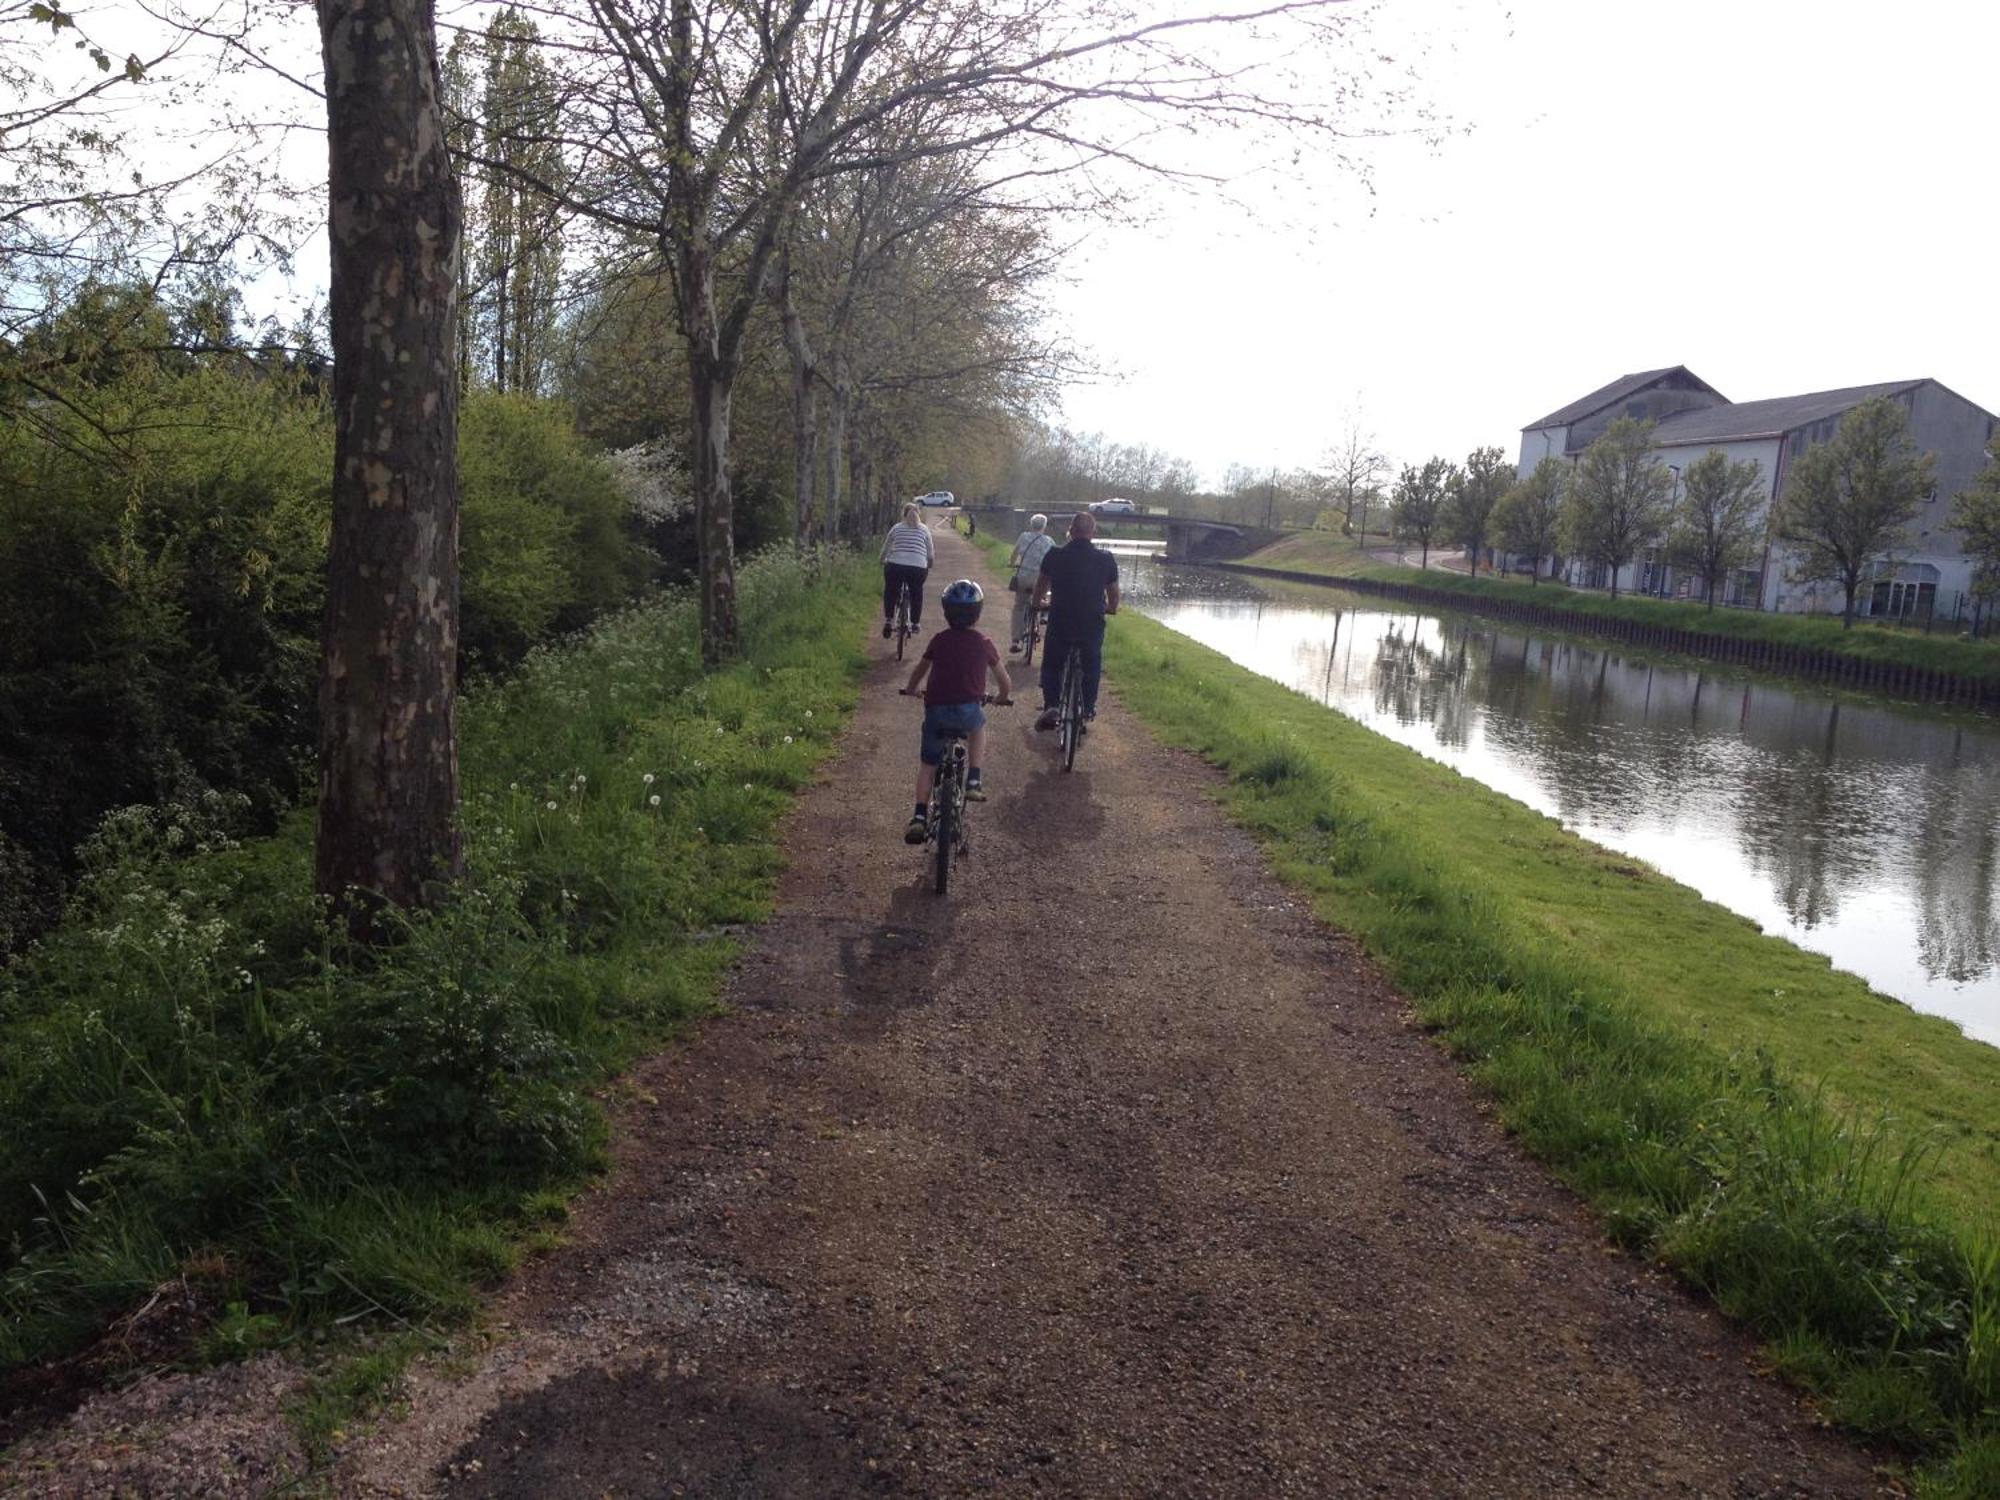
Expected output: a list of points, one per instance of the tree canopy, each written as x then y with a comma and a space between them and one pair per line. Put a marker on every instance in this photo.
1718, 525
1620, 499
1849, 501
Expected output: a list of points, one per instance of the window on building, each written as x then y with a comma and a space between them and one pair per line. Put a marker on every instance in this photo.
1910, 594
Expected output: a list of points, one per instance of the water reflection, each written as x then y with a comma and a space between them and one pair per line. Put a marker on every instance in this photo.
1868, 833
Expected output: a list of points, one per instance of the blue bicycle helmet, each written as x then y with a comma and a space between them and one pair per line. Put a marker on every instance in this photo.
962, 603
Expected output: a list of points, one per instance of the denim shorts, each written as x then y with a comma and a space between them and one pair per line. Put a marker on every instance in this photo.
941, 716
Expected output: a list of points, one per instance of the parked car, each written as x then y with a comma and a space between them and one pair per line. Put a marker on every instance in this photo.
1113, 508
938, 497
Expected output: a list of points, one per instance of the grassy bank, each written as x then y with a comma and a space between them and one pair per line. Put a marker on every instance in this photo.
1819, 1158
1322, 555
203, 1093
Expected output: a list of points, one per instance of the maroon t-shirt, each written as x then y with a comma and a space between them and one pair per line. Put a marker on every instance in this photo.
959, 659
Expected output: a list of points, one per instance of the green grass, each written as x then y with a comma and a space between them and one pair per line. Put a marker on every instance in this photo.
199, 1083
1322, 555
1817, 1157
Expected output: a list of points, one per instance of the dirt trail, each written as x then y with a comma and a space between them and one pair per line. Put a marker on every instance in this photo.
1114, 1174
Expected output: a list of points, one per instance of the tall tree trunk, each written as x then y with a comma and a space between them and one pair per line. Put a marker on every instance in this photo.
836, 443
712, 384
388, 743
502, 326
864, 493
805, 414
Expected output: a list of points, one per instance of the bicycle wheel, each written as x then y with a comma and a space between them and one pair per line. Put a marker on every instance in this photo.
1072, 708
946, 828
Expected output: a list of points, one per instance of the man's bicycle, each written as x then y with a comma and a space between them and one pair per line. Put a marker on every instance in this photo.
1069, 707
904, 628
945, 838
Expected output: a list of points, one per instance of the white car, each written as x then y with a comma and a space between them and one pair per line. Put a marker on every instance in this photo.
1113, 508
938, 497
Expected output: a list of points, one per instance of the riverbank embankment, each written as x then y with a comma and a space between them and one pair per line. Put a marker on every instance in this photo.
1816, 1156
1893, 663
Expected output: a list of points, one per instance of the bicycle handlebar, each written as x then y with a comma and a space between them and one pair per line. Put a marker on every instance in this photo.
904, 692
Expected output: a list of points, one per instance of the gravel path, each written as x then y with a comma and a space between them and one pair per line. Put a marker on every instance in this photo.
1114, 1174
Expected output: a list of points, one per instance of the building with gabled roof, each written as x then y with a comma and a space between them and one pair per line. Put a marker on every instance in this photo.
1691, 417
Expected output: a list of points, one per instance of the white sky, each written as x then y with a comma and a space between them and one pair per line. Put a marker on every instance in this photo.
1784, 196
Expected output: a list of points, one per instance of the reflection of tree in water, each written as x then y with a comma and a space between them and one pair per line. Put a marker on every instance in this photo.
1958, 885
1798, 820
1589, 725
1423, 682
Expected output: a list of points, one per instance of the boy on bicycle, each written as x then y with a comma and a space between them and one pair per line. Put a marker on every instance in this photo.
956, 662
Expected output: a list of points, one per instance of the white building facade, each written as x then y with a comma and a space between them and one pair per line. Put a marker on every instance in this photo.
1931, 575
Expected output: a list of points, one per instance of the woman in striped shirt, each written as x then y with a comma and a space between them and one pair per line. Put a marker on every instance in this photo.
906, 559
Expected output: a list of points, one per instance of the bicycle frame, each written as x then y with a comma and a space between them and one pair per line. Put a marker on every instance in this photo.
947, 834
1071, 710
944, 835
904, 630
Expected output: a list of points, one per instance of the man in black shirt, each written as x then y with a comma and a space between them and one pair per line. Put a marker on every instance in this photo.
1080, 583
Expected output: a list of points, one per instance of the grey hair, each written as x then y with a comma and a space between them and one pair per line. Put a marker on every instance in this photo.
1038, 522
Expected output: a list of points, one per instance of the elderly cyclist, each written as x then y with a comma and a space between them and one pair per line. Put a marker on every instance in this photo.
1030, 547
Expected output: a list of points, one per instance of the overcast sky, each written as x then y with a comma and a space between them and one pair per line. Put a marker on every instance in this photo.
1783, 196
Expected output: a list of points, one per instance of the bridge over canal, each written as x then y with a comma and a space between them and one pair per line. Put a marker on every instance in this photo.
1187, 539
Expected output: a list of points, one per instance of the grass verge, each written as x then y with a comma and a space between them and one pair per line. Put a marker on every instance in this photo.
203, 1089
1322, 555
1816, 1157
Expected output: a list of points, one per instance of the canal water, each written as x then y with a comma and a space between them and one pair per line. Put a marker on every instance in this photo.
1867, 832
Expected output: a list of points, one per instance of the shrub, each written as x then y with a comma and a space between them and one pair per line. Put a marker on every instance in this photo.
193, 1069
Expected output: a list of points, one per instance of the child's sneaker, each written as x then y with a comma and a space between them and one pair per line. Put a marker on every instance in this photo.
887, 630
1048, 719
975, 791
918, 831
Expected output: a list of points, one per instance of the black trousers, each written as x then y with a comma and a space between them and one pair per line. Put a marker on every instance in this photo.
894, 576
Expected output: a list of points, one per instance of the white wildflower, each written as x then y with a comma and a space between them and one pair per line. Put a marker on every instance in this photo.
647, 778
654, 800
550, 805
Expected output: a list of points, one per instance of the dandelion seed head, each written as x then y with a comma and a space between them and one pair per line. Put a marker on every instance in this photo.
654, 800
647, 778
550, 805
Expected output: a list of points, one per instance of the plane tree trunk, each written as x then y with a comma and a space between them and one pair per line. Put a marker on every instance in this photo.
388, 745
